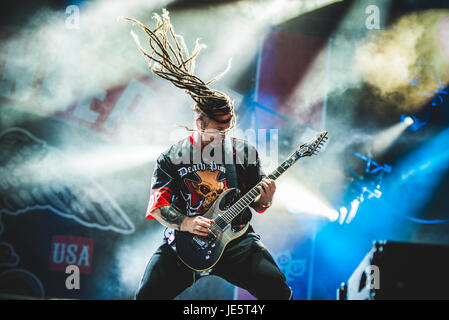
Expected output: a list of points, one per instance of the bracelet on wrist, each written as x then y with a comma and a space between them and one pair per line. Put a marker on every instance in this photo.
265, 205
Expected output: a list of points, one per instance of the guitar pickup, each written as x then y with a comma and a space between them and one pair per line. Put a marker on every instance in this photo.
221, 223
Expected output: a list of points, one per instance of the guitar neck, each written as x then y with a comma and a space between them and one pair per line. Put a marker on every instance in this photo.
252, 194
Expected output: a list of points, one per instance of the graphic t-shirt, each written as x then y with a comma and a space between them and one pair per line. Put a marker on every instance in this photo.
190, 179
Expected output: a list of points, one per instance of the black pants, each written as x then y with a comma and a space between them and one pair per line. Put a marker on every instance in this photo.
245, 263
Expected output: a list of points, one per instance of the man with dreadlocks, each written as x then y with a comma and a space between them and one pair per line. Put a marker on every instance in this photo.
183, 190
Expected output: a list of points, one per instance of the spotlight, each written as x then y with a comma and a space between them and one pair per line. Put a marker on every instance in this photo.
407, 120
343, 213
299, 200
413, 123
385, 138
354, 208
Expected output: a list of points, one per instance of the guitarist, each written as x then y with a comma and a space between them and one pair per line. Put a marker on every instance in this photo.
183, 190
175, 194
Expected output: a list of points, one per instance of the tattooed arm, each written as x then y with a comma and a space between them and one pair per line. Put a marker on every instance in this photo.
170, 217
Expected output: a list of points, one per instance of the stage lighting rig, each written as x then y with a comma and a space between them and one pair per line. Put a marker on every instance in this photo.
362, 187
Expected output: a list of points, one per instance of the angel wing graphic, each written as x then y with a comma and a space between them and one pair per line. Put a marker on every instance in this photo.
33, 175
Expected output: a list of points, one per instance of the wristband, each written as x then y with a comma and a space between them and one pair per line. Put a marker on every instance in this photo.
265, 205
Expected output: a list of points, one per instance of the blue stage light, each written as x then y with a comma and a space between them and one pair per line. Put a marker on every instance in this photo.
407, 120
412, 122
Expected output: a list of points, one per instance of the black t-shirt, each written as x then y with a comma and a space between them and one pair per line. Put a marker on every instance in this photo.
190, 179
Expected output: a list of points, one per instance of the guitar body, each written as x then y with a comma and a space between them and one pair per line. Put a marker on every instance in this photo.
201, 253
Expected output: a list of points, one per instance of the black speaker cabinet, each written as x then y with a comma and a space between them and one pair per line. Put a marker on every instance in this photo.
400, 271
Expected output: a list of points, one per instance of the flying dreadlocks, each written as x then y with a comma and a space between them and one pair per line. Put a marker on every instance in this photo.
170, 59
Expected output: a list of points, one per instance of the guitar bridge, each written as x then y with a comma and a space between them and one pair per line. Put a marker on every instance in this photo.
202, 243
198, 243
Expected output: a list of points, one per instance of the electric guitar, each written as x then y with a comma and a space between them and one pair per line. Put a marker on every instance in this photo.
201, 253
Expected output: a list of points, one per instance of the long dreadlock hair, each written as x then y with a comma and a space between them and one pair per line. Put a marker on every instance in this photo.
170, 60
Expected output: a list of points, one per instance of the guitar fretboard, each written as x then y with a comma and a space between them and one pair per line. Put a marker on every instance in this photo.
252, 194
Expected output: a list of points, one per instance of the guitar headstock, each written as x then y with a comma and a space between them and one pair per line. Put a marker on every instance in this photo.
313, 146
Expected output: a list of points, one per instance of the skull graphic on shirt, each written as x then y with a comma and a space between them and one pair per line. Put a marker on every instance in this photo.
209, 188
